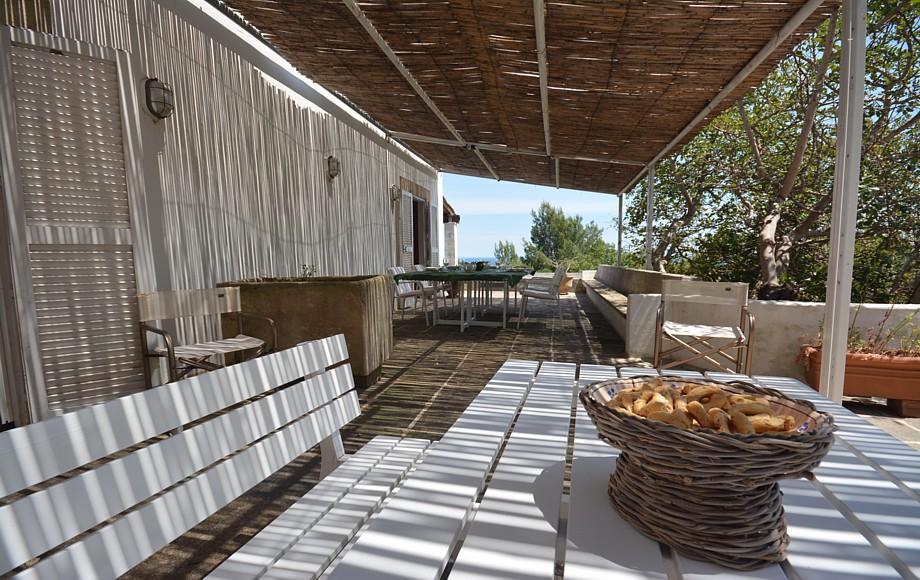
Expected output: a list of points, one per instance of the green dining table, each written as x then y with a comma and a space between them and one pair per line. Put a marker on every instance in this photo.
475, 292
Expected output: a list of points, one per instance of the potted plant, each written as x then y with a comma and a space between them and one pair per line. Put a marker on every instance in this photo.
881, 362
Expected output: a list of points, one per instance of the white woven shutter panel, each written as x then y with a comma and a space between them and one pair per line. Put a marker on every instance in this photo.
75, 196
405, 225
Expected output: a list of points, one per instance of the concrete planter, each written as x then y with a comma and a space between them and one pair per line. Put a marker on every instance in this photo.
896, 378
309, 308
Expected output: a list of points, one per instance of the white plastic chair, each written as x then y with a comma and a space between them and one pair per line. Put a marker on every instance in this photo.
712, 342
406, 289
542, 289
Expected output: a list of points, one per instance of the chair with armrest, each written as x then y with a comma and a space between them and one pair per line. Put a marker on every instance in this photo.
723, 344
542, 289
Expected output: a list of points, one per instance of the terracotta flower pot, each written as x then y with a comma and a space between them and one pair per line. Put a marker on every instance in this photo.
873, 375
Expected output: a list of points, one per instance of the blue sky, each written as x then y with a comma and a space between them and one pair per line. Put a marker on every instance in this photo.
491, 210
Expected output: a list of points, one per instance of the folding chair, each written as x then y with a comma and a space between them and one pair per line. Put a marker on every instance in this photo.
413, 289
723, 344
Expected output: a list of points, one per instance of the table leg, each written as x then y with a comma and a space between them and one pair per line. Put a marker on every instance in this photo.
505, 306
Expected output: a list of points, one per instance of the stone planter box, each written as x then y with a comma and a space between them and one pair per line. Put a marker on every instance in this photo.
359, 307
896, 378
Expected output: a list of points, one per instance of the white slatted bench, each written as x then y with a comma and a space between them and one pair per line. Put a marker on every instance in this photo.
207, 440
858, 519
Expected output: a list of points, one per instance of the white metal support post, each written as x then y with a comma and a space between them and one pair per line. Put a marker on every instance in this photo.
845, 198
620, 232
649, 215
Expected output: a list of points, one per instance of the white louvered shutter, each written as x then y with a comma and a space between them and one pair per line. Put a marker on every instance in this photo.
406, 241
72, 170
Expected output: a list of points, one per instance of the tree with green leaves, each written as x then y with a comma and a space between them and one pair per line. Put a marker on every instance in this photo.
506, 254
749, 197
557, 239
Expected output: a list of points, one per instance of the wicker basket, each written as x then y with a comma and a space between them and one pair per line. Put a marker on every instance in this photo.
709, 495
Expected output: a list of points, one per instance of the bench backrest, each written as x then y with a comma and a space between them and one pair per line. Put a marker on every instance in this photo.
693, 302
293, 400
171, 304
632, 280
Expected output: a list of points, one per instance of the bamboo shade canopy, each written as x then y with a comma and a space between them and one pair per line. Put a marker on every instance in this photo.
624, 76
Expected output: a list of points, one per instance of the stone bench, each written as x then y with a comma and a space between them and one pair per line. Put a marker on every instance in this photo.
610, 289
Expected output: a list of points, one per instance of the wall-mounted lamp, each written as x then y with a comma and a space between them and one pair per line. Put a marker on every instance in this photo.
333, 167
395, 193
159, 98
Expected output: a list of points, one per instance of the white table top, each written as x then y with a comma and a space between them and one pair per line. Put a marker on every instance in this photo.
518, 489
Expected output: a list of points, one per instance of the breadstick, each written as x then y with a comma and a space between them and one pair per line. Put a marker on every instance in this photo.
696, 410
716, 401
680, 402
740, 422
657, 403
720, 420
753, 409
765, 423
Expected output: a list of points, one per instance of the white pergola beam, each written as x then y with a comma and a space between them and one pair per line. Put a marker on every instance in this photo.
385, 48
775, 41
505, 149
539, 21
649, 214
845, 199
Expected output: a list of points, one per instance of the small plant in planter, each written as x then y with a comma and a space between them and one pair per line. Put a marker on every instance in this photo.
883, 361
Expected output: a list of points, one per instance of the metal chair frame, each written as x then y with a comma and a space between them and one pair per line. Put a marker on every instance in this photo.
703, 346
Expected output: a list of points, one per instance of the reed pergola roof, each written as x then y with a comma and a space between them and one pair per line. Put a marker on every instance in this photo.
622, 78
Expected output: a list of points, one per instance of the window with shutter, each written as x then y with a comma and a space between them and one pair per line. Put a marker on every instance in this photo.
77, 225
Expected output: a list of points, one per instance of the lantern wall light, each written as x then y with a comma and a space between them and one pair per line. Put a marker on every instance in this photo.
333, 167
159, 98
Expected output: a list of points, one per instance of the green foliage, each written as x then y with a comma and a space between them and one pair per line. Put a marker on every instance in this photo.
506, 255
558, 239
748, 199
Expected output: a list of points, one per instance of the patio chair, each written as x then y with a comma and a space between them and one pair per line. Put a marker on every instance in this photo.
407, 289
542, 289
719, 341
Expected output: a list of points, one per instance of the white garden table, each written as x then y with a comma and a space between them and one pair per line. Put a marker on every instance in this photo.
490, 499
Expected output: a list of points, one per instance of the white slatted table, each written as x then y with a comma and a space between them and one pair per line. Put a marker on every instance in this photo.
860, 518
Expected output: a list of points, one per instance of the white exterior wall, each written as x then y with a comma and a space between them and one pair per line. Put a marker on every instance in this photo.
235, 179
233, 184
781, 327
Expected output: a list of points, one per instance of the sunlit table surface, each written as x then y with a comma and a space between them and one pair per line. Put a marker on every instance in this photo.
489, 500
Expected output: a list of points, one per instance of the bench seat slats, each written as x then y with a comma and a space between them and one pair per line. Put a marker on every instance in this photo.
97, 495
313, 552
118, 547
254, 557
37, 452
414, 534
224, 346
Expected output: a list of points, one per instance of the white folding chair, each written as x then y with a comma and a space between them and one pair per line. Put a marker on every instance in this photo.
542, 289
406, 289
724, 344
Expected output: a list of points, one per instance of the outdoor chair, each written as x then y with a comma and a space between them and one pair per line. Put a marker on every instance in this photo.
406, 289
542, 289
725, 345
208, 302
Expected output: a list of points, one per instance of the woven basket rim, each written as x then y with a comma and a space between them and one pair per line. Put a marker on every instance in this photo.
824, 422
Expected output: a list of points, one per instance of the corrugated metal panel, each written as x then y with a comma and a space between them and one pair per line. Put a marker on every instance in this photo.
73, 176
